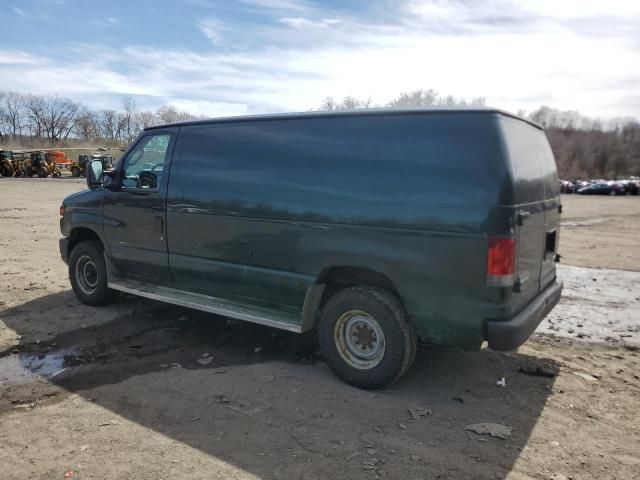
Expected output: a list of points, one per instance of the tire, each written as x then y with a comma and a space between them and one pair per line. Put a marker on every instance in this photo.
88, 274
42, 173
28, 172
6, 171
382, 345
75, 172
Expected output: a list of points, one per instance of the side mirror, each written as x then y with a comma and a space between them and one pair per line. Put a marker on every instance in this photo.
94, 174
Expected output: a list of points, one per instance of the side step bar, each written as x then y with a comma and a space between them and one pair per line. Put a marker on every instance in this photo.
209, 304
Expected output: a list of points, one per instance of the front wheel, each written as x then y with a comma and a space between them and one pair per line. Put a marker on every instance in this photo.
88, 274
366, 338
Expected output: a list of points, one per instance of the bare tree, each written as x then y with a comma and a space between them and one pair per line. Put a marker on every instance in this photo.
417, 98
108, 124
329, 104
34, 108
431, 98
88, 125
13, 113
145, 119
3, 117
129, 119
414, 99
170, 114
55, 117
347, 103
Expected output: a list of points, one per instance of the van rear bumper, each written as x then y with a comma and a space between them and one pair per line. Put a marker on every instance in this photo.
510, 334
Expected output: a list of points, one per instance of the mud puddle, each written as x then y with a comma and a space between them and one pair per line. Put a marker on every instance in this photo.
150, 338
597, 305
22, 368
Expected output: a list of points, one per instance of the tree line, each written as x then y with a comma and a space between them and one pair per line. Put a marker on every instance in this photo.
583, 147
590, 148
27, 117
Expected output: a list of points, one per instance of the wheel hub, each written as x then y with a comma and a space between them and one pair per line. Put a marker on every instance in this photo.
86, 274
360, 339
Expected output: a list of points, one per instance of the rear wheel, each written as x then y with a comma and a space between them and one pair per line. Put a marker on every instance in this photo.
42, 172
88, 274
6, 171
366, 338
28, 172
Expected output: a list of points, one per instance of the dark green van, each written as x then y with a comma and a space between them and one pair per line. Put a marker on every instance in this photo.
378, 228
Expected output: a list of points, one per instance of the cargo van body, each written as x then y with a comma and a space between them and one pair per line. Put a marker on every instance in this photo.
452, 214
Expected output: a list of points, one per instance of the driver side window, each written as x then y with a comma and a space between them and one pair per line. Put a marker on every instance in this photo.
144, 165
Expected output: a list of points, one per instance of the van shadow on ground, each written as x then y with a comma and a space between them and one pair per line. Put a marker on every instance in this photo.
267, 405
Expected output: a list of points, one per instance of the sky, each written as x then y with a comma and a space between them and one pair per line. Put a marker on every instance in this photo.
232, 57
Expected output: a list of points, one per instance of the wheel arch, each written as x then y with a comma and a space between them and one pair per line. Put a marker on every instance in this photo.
335, 278
82, 234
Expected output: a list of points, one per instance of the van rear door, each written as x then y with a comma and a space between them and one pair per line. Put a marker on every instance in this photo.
536, 204
552, 211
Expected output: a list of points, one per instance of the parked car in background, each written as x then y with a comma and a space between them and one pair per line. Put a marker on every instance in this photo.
566, 186
603, 188
631, 187
578, 184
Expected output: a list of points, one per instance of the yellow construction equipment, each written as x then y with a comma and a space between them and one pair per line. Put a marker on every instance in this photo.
37, 164
79, 168
7, 163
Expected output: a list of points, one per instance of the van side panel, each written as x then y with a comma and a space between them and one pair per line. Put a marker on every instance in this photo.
268, 205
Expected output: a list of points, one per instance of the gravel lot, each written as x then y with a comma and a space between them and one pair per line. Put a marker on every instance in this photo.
146, 391
601, 231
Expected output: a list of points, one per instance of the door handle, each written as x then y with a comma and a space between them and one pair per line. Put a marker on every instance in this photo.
160, 226
522, 215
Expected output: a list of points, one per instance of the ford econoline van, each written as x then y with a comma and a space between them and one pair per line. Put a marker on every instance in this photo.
377, 228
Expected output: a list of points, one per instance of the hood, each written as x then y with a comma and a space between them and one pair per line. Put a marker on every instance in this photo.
85, 198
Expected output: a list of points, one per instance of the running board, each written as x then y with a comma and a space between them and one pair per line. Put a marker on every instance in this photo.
210, 304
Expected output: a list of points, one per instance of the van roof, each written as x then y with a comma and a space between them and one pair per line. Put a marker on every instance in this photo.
365, 112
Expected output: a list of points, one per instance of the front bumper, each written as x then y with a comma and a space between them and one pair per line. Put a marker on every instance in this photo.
510, 334
64, 249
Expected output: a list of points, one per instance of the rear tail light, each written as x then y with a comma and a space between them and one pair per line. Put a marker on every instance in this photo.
501, 261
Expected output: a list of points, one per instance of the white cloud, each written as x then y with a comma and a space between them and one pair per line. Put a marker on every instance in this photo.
16, 57
106, 22
517, 59
282, 5
584, 8
206, 108
212, 29
301, 23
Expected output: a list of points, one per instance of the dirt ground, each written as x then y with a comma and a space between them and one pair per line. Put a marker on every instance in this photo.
601, 231
141, 390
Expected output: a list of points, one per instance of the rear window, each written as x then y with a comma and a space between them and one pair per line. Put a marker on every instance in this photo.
398, 168
532, 161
